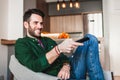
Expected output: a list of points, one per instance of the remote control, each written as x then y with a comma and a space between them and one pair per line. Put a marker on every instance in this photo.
83, 40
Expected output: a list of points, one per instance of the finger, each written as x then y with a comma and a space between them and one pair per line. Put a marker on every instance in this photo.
69, 49
77, 44
67, 76
63, 76
59, 75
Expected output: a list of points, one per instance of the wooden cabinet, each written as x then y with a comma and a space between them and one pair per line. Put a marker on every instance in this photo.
71, 23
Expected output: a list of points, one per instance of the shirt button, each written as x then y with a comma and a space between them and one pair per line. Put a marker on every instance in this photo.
51, 46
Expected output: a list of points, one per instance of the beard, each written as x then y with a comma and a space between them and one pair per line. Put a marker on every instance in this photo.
33, 33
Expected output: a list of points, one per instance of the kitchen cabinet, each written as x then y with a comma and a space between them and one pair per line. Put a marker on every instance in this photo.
71, 23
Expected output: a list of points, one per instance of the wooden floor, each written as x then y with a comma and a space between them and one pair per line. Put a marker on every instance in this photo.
117, 78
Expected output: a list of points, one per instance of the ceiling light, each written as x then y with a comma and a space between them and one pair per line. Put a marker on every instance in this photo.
63, 4
71, 4
58, 5
77, 4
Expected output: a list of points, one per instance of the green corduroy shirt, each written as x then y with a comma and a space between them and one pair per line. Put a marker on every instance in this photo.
30, 53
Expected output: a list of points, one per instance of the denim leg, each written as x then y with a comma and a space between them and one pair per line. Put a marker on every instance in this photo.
78, 63
94, 68
86, 58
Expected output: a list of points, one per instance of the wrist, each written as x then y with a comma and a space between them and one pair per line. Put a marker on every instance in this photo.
59, 48
66, 66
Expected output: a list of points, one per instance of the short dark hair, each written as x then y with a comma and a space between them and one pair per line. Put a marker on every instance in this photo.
29, 12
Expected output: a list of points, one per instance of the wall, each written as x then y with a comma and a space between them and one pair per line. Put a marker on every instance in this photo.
11, 13
15, 12
28, 4
3, 32
111, 14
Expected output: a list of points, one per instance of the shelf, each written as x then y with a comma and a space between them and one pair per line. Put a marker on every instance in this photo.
12, 42
7, 42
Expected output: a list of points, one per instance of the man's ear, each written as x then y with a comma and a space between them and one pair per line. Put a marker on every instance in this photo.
25, 24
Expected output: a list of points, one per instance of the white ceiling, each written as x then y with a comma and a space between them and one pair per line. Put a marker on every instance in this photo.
68, 0
50, 0
54, 0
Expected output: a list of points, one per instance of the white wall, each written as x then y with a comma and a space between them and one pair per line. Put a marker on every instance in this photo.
111, 11
3, 33
11, 12
15, 19
11, 26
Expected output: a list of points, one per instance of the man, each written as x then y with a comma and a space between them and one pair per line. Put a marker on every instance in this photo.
42, 54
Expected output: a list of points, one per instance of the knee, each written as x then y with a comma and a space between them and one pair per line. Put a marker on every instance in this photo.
92, 37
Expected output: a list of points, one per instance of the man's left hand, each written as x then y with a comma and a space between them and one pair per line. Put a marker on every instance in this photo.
64, 73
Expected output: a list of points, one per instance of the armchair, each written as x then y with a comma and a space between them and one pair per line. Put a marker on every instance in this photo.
21, 72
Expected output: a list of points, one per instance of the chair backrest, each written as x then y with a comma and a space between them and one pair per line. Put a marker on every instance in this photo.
21, 72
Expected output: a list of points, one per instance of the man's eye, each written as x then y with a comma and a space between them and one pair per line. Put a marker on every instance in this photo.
35, 22
41, 23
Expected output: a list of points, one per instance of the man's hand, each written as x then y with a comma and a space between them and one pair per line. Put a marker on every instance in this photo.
64, 73
68, 45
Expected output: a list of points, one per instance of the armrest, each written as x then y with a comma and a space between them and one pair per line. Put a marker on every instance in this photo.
21, 72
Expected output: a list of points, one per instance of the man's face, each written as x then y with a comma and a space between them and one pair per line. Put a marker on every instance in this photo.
34, 26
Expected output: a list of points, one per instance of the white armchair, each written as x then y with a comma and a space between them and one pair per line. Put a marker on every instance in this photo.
21, 72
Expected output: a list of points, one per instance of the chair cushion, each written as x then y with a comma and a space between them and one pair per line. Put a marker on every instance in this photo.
21, 72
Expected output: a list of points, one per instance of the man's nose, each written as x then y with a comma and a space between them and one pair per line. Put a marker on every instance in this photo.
40, 25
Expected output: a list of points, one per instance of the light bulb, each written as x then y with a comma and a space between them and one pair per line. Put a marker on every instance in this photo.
77, 4
58, 5
63, 4
71, 4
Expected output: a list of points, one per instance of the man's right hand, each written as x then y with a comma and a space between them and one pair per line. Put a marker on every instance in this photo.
68, 45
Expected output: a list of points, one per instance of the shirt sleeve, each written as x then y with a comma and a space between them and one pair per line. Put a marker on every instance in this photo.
27, 57
62, 58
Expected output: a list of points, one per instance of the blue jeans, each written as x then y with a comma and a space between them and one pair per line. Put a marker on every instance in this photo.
86, 60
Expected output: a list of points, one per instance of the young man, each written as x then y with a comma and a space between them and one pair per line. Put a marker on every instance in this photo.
42, 54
